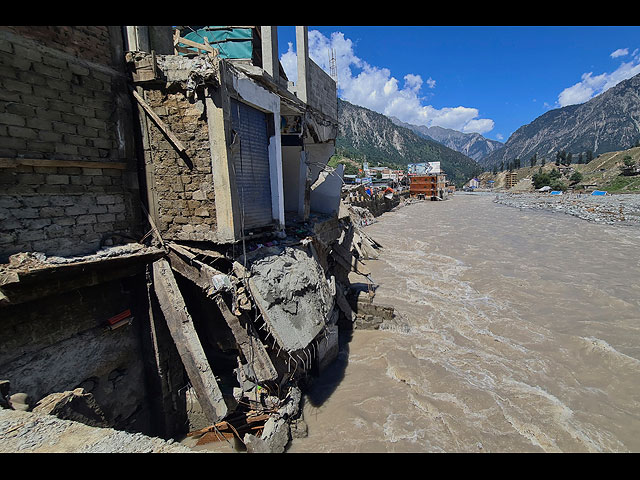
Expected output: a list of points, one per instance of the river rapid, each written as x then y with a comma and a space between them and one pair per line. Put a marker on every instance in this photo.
518, 331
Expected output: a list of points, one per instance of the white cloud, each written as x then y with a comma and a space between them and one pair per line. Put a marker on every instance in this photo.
590, 85
375, 88
621, 52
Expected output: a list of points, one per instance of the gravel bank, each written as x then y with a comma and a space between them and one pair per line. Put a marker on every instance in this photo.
28, 432
623, 209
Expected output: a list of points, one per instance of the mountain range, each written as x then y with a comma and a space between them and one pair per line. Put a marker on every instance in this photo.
606, 123
473, 145
365, 135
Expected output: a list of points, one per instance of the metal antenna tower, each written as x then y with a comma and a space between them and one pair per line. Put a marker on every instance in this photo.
333, 68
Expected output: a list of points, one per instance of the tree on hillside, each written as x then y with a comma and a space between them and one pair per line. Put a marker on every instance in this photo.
561, 157
551, 179
628, 166
575, 178
568, 159
534, 160
589, 156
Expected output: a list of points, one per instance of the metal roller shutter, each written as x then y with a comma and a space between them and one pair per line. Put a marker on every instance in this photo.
251, 165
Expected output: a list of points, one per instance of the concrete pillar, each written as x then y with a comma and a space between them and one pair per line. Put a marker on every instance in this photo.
137, 38
147, 38
270, 51
302, 49
303, 187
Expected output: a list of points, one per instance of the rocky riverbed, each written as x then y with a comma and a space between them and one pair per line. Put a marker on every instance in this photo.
623, 209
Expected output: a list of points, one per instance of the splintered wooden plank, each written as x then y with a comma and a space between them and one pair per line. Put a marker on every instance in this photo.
197, 272
252, 348
161, 125
187, 342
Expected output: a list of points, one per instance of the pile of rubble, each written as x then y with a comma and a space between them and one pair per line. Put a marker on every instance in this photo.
281, 300
607, 209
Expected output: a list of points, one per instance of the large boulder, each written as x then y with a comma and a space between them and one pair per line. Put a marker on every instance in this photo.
76, 405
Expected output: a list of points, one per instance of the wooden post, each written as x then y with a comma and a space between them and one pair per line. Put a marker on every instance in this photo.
252, 348
187, 342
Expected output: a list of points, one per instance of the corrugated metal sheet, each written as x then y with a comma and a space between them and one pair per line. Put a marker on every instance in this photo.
251, 165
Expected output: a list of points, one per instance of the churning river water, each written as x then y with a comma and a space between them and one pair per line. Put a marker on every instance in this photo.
521, 334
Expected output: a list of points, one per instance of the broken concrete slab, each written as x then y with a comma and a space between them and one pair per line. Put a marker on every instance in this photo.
274, 439
328, 348
292, 293
369, 315
326, 191
56, 275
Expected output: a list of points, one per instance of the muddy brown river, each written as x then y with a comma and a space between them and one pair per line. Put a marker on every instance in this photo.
520, 332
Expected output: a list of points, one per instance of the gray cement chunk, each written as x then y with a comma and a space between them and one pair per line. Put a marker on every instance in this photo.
293, 293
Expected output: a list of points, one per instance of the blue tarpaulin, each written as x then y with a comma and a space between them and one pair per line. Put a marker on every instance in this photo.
598, 192
230, 42
556, 192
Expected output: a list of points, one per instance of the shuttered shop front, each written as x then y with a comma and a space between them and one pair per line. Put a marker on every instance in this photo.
251, 165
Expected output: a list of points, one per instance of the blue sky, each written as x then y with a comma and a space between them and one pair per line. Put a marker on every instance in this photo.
489, 80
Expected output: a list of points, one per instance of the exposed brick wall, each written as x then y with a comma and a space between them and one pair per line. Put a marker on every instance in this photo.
184, 190
87, 42
62, 211
322, 91
53, 106
56, 105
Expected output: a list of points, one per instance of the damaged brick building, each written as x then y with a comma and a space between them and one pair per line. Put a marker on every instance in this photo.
168, 224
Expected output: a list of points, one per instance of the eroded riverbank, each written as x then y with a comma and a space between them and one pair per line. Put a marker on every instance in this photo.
521, 335
609, 209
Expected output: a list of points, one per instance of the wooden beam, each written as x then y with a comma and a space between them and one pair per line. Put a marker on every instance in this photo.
158, 121
177, 39
252, 348
43, 162
187, 342
193, 270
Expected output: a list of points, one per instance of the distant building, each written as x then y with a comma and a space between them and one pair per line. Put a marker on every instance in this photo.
428, 186
510, 179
